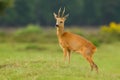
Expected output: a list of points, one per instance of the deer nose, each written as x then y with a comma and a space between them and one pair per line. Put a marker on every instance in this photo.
57, 25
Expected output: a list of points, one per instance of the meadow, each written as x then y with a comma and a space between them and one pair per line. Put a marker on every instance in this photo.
43, 60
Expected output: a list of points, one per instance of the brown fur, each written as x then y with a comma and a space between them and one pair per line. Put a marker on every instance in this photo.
72, 42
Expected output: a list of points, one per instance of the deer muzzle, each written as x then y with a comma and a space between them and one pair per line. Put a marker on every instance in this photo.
57, 25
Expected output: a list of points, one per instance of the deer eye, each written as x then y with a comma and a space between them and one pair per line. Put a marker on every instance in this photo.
61, 22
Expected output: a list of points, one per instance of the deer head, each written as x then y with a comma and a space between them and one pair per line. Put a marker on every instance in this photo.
60, 19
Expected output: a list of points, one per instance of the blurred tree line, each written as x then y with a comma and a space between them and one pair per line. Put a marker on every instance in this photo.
82, 12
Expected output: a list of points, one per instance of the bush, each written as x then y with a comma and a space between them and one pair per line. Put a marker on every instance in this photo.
4, 36
30, 29
29, 34
110, 33
94, 38
34, 47
112, 28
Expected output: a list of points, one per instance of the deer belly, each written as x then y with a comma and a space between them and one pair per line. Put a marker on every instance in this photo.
74, 46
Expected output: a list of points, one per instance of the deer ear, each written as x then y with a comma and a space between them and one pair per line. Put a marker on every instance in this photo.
66, 16
55, 15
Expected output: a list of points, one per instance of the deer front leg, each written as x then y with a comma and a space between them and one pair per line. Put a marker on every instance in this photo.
64, 53
69, 52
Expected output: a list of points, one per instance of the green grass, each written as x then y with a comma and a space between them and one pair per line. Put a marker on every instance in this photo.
35, 61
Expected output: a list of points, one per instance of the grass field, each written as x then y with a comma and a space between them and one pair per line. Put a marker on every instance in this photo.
35, 61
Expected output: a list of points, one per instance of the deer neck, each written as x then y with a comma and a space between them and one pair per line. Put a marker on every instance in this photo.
60, 31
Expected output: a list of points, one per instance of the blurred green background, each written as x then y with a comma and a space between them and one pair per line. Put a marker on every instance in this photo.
29, 48
82, 12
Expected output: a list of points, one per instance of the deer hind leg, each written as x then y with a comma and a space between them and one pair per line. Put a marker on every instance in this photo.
88, 56
92, 64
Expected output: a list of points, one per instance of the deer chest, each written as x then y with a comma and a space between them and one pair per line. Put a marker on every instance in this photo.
63, 44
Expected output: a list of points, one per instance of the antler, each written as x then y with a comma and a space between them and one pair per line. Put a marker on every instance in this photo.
59, 12
63, 12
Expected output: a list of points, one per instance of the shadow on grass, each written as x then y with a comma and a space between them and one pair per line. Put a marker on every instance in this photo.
21, 64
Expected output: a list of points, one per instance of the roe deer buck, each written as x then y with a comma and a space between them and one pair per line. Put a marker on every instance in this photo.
72, 42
